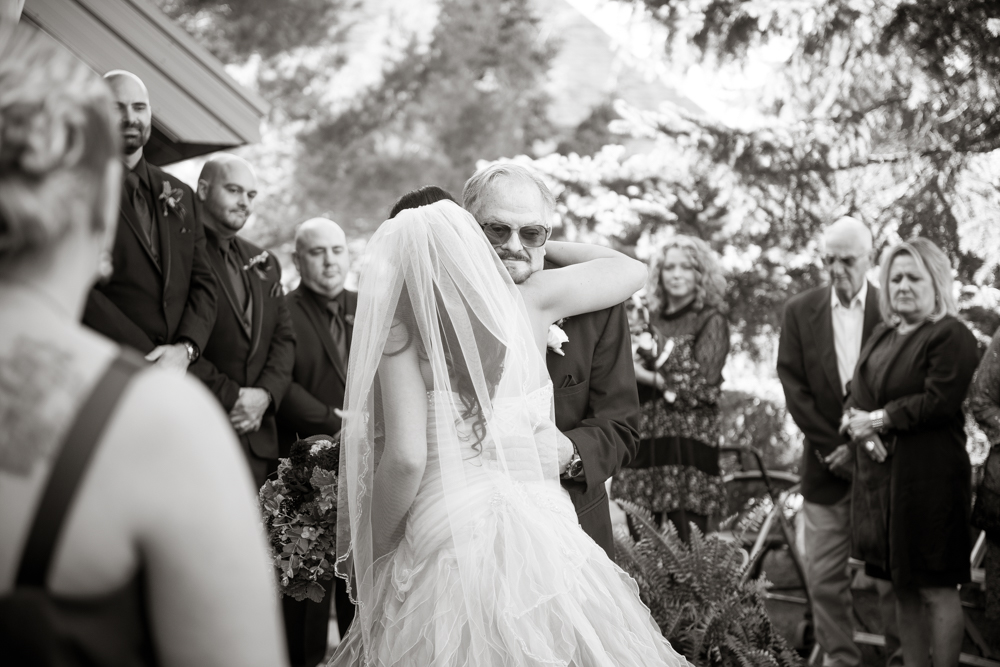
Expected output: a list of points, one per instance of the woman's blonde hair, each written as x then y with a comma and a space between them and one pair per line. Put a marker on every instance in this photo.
933, 263
710, 284
57, 136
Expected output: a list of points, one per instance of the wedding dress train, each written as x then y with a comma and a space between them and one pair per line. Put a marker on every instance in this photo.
541, 591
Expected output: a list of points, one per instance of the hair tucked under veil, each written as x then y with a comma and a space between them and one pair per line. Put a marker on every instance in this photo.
430, 279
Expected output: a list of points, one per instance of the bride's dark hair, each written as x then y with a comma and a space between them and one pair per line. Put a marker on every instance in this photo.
491, 356
424, 196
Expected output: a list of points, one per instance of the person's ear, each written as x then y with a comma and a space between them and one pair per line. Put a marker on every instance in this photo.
202, 189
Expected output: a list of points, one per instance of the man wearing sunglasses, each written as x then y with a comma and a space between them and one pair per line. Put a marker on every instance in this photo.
596, 402
821, 338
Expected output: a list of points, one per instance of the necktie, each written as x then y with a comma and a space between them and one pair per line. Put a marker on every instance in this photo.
237, 276
142, 211
337, 330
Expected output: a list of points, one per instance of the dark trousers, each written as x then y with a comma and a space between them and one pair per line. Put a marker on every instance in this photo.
307, 623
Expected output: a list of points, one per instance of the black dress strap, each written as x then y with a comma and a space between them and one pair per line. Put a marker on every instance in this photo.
69, 468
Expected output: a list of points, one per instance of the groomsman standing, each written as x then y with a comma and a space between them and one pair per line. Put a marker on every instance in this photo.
323, 316
247, 361
161, 297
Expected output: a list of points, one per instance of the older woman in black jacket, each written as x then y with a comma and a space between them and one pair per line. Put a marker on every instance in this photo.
911, 496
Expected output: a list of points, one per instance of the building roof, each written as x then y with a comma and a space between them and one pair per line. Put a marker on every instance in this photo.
197, 107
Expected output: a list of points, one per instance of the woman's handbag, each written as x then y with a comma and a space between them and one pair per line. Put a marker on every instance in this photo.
870, 493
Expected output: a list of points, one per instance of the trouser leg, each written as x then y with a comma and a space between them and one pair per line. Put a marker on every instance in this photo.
345, 608
887, 605
827, 538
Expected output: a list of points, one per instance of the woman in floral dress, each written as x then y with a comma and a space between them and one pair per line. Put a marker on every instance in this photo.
675, 474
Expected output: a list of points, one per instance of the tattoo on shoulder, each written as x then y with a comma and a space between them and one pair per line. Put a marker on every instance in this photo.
39, 395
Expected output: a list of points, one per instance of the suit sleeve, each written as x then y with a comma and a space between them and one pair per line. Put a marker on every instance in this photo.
952, 357
220, 384
799, 398
199, 312
305, 413
984, 396
104, 317
277, 372
607, 438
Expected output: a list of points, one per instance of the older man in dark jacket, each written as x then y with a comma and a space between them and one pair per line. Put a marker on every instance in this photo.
821, 338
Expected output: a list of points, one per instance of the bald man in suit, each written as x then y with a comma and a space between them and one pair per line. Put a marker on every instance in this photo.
247, 361
821, 338
322, 313
161, 296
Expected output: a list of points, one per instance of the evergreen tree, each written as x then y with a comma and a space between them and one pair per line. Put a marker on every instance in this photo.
475, 93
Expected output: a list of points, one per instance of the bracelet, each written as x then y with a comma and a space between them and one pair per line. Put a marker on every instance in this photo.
877, 418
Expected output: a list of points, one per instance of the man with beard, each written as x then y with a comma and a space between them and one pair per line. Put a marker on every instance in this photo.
247, 361
596, 400
323, 315
160, 298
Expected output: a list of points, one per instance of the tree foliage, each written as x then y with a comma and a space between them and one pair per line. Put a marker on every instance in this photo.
474, 93
882, 110
235, 30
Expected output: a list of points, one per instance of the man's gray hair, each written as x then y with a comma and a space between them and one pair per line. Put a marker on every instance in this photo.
477, 188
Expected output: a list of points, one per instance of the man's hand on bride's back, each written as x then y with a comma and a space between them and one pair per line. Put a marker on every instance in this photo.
565, 449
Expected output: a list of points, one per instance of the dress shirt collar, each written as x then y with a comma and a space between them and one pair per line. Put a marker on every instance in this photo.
860, 299
323, 301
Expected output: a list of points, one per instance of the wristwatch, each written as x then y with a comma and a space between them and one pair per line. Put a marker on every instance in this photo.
877, 418
191, 348
575, 467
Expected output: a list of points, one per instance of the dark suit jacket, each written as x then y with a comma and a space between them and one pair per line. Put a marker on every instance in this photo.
319, 376
260, 355
597, 407
807, 367
144, 304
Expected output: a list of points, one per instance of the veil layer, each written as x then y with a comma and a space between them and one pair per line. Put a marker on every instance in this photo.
432, 270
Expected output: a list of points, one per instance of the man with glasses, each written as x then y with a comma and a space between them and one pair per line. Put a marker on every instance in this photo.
596, 401
821, 338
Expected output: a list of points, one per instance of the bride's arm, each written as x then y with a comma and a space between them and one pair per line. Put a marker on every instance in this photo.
592, 277
397, 478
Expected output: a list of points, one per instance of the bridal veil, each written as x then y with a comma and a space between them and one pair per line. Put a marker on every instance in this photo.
431, 274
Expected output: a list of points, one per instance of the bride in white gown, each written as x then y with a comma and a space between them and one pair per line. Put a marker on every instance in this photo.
463, 548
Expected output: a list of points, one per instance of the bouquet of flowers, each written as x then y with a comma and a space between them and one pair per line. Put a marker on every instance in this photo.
300, 514
648, 347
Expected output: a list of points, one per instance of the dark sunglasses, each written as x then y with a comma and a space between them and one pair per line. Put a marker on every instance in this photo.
846, 260
532, 236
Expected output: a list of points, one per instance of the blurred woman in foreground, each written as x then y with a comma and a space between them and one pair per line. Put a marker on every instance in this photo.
128, 527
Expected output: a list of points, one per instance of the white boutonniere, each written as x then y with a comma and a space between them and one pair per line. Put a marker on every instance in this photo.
349, 318
556, 337
171, 198
256, 262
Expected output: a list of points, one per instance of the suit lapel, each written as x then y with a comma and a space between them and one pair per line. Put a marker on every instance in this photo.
162, 222
222, 277
872, 314
822, 325
256, 298
317, 317
352, 307
131, 217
